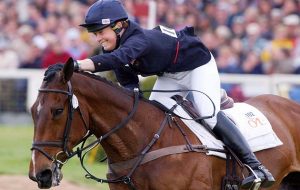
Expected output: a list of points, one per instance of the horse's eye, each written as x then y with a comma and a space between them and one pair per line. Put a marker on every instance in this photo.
57, 112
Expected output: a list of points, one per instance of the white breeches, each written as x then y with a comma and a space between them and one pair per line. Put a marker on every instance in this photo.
204, 78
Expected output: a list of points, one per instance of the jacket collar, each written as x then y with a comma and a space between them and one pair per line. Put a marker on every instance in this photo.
132, 29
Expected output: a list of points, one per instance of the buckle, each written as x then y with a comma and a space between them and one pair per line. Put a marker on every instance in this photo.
127, 180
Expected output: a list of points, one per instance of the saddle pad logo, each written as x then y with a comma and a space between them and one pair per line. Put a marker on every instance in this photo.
254, 120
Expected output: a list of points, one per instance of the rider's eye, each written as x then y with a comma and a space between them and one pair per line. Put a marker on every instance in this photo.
57, 112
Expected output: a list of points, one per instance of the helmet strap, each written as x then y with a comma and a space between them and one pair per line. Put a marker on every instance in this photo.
118, 31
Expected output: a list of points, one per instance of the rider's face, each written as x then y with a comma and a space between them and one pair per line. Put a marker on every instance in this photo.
107, 38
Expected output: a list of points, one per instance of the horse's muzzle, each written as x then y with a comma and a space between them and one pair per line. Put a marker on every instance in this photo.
44, 179
32, 178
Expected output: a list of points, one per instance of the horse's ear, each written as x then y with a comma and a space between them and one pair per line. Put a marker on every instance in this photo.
68, 69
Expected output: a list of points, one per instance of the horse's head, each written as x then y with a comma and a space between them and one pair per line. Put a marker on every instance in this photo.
56, 131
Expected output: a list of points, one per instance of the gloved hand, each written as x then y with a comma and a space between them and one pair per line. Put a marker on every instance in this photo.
76, 65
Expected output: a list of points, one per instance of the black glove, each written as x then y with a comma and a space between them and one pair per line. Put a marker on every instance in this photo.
76, 65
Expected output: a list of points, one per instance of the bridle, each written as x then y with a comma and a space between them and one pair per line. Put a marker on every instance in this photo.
38, 145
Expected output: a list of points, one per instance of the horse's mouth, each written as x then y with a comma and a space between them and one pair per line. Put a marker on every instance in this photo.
44, 179
56, 177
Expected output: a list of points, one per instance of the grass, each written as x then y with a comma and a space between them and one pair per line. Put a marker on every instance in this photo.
15, 144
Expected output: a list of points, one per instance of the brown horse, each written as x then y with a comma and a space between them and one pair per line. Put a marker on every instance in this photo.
129, 126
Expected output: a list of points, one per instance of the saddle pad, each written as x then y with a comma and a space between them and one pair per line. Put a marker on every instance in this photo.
248, 119
254, 126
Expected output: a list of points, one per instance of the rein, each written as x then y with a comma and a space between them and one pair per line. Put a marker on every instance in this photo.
188, 90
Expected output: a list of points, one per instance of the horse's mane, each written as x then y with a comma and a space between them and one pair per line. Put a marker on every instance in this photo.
53, 69
104, 80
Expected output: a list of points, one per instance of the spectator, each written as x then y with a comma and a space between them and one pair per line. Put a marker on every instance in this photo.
36, 51
223, 35
277, 54
227, 60
291, 22
20, 44
237, 49
264, 7
238, 27
290, 7
54, 52
252, 64
212, 42
74, 45
9, 58
253, 40
252, 24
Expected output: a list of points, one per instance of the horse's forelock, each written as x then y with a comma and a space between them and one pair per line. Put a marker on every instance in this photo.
50, 72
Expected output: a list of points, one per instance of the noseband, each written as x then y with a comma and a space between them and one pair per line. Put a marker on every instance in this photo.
38, 145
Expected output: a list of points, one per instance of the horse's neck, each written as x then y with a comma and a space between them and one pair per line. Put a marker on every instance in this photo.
108, 106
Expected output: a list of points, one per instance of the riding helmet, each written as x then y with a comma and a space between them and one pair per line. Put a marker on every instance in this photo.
104, 13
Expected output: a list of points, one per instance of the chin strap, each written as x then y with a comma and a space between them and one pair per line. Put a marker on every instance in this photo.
118, 31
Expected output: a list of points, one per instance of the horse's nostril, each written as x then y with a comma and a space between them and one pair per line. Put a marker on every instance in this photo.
32, 178
44, 179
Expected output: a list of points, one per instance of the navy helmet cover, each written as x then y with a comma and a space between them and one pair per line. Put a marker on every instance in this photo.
104, 13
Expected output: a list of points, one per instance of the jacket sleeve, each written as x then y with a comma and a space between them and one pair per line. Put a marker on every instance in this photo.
127, 77
133, 48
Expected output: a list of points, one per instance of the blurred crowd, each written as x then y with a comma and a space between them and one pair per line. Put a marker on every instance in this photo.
245, 36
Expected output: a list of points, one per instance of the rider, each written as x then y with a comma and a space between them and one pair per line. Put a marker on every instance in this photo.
178, 58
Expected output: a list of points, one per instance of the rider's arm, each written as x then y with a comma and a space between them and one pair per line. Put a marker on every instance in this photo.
86, 65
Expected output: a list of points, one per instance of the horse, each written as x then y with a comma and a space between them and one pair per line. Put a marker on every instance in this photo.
70, 105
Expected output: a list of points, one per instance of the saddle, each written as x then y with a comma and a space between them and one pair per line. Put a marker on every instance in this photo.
188, 106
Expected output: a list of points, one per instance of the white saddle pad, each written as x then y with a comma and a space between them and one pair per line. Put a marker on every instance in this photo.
250, 121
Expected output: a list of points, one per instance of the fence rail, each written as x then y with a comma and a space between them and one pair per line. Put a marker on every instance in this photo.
19, 86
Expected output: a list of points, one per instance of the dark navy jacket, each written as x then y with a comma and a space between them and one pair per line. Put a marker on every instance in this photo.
151, 52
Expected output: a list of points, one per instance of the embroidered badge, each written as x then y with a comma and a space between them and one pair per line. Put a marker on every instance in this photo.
105, 21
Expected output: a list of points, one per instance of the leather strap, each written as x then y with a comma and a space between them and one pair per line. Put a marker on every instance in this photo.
153, 155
